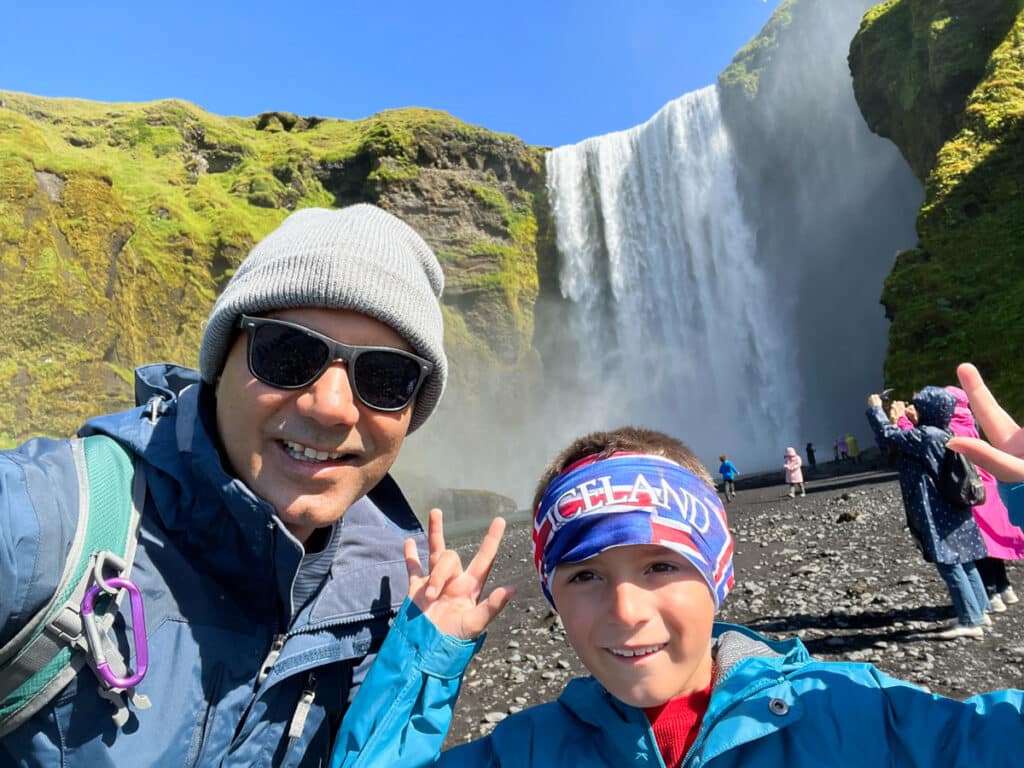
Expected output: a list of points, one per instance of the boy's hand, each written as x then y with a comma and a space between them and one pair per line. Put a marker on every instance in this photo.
1003, 455
449, 595
874, 401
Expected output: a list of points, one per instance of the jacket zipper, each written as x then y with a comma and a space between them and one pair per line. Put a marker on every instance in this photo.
298, 722
271, 658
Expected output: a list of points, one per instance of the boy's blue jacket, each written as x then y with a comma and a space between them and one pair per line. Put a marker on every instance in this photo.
215, 567
727, 470
1012, 495
771, 705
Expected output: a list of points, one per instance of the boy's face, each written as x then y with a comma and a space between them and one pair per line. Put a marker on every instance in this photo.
639, 617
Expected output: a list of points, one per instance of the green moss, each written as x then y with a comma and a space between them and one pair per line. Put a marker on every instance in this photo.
744, 72
960, 294
151, 206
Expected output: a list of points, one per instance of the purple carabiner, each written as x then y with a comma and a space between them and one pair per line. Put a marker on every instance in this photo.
138, 632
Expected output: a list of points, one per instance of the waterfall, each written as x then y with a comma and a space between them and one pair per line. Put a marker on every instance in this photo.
669, 320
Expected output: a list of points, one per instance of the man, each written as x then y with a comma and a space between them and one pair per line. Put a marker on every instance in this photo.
270, 551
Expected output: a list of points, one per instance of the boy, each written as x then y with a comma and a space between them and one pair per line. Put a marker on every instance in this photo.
632, 548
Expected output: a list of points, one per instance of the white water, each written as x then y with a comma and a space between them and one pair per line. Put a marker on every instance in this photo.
671, 321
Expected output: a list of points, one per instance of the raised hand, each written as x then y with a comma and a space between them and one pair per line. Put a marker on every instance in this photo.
450, 595
1003, 455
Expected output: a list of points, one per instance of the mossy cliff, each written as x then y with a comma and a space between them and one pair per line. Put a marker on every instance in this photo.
119, 223
944, 80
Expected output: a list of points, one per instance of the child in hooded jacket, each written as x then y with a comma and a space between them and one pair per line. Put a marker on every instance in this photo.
632, 548
792, 463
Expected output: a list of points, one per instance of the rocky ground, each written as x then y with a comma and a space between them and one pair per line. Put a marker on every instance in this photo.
836, 568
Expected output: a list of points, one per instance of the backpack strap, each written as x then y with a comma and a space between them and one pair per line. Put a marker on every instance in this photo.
47, 653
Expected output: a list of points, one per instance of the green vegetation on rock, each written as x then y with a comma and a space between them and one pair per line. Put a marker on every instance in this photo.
944, 80
744, 72
119, 224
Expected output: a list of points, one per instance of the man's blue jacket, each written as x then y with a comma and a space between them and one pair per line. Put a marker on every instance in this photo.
215, 567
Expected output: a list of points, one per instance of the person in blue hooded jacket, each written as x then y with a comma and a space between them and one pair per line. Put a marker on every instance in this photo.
270, 551
946, 535
633, 550
1003, 454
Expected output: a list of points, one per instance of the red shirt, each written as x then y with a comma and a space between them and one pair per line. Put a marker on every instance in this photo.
676, 724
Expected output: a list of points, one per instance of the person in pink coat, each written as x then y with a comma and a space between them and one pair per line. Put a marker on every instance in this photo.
794, 475
1003, 539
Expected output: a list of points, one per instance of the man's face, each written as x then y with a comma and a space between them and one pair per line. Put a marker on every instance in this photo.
266, 431
639, 617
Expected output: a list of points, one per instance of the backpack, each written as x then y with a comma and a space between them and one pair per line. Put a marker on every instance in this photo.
71, 630
958, 481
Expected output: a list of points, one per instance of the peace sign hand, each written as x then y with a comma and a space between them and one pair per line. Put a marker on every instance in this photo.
450, 594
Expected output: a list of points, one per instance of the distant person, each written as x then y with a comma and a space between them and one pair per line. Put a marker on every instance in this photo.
794, 474
636, 581
728, 472
809, 450
844, 450
852, 450
1003, 540
947, 536
1003, 454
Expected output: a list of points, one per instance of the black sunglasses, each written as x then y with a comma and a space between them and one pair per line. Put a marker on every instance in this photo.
290, 356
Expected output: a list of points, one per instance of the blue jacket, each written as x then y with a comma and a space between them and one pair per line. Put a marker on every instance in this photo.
771, 705
215, 566
728, 470
944, 533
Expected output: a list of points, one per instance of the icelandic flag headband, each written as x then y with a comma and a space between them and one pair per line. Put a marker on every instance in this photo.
628, 498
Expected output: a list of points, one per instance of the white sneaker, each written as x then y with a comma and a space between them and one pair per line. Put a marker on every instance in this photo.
997, 604
986, 621
961, 630
1009, 596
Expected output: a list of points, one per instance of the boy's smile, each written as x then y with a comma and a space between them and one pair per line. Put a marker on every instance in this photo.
639, 617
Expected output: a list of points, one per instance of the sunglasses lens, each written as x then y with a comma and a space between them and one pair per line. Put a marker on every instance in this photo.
286, 357
386, 379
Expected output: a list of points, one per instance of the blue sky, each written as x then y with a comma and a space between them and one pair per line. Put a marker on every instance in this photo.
551, 72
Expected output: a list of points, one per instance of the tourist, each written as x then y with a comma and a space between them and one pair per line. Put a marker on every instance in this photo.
1003, 454
794, 474
728, 472
947, 535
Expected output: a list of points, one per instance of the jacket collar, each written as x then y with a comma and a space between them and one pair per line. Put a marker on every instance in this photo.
751, 674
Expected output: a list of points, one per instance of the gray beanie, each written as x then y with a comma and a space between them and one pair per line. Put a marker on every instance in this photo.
359, 258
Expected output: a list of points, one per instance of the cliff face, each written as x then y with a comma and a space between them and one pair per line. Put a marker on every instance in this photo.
119, 223
944, 79
828, 202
